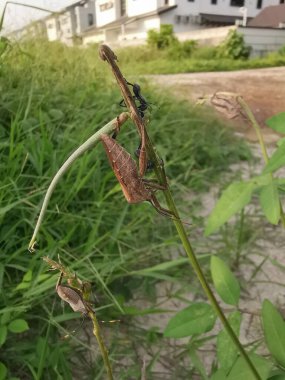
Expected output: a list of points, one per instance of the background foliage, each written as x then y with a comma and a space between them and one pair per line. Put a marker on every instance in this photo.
51, 99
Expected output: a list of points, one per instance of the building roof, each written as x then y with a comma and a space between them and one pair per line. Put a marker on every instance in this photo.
269, 17
128, 20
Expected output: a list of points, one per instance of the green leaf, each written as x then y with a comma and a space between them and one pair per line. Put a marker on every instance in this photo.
3, 335
1, 276
18, 326
277, 122
5, 317
28, 276
276, 161
197, 363
26, 280
280, 376
3, 371
233, 199
241, 369
274, 331
226, 350
225, 282
195, 319
280, 141
219, 375
269, 201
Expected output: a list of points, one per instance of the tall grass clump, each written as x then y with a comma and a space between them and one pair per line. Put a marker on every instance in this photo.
53, 98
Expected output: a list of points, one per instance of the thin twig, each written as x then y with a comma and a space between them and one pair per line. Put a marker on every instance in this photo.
79, 286
106, 54
90, 143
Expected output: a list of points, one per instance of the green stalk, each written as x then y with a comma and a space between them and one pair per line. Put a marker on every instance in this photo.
259, 135
240, 236
159, 171
103, 349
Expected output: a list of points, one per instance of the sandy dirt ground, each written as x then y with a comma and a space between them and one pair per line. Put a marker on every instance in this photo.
262, 89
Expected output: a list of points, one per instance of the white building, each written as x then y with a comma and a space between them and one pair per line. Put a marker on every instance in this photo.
70, 22
126, 20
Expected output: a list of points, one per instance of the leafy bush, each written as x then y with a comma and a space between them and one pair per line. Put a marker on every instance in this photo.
162, 39
234, 47
182, 49
281, 51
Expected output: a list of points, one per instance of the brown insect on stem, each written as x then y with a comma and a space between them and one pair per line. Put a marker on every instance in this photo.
135, 188
107, 54
72, 296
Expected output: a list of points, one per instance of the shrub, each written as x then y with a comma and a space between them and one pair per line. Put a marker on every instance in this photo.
234, 47
162, 39
182, 49
281, 51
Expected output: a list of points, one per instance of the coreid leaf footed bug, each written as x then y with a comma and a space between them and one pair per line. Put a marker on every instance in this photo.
72, 296
135, 188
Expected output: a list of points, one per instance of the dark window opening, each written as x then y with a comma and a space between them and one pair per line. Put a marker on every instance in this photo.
123, 7
259, 4
214, 2
237, 3
90, 19
191, 1
166, 2
282, 1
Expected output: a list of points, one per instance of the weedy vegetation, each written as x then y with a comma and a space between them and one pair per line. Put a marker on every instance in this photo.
52, 99
165, 54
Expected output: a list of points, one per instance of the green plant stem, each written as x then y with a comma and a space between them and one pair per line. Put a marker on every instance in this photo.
90, 143
103, 349
259, 135
240, 236
194, 262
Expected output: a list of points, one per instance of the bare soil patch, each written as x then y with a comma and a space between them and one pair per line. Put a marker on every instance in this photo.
262, 89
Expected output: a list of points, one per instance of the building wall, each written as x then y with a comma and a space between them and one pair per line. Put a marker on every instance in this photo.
85, 16
106, 11
138, 7
263, 40
52, 28
67, 26
138, 29
223, 7
181, 23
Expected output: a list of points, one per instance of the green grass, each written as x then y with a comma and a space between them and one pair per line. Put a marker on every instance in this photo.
146, 60
53, 98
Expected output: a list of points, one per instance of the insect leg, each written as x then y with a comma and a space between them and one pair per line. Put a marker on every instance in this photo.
59, 281
163, 211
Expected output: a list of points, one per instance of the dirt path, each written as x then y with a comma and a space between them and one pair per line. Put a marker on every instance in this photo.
263, 89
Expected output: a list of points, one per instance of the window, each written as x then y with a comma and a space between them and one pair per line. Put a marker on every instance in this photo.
214, 2
259, 4
106, 6
166, 2
282, 1
191, 1
90, 19
178, 19
237, 3
123, 7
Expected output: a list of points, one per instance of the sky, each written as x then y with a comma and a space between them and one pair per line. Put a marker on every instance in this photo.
17, 16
